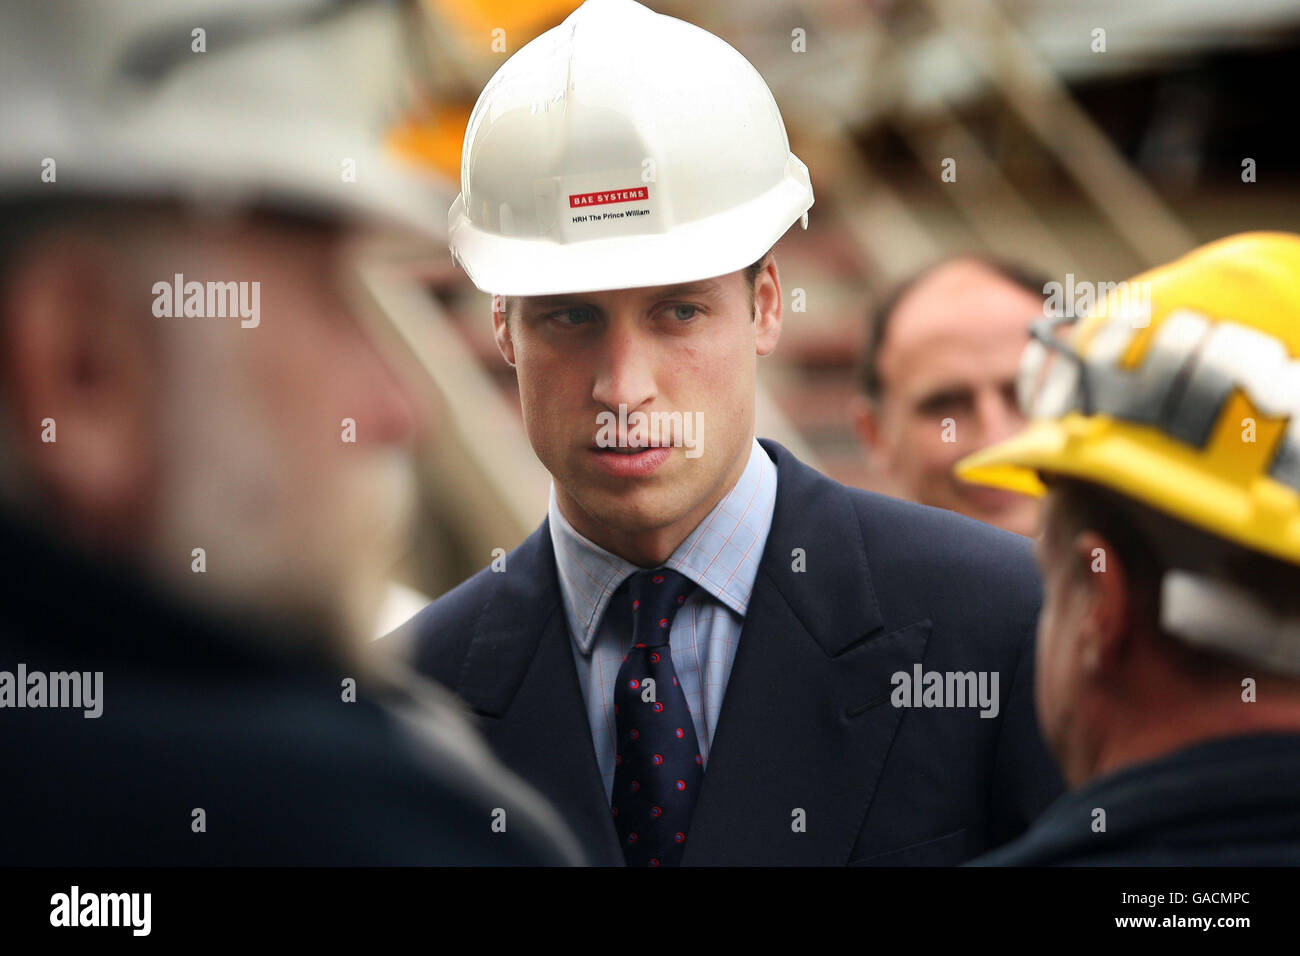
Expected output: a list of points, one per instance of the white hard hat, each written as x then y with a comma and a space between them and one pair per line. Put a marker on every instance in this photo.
622, 149
277, 102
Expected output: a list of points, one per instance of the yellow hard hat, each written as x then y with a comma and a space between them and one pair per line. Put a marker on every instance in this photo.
1181, 390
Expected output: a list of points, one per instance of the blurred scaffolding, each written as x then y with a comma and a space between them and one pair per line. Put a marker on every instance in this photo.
1077, 151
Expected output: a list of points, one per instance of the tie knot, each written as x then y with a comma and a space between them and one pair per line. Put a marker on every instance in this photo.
656, 597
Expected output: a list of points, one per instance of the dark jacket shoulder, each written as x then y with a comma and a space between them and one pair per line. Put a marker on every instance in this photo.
1232, 801
928, 562
221, 742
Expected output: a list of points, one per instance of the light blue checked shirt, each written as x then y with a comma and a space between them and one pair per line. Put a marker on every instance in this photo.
721, 555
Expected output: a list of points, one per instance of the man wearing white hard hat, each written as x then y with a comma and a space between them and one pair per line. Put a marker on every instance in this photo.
189, 543
700, 654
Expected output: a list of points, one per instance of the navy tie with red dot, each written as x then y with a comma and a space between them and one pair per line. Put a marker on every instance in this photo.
658, 767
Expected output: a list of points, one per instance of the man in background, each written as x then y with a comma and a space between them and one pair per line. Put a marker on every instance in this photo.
938, 381
1168, 668
206, 458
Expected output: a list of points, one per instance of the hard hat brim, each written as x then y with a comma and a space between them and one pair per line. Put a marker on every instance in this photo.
235, 160
716, 245
1143, 463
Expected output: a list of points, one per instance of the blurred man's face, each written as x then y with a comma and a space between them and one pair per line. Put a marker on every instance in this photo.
291, 438
948, 365
689, 349
179, 432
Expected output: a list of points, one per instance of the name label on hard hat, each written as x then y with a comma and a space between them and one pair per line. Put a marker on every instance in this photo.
598, 204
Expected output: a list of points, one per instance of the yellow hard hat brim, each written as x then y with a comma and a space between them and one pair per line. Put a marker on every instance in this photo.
1141, 462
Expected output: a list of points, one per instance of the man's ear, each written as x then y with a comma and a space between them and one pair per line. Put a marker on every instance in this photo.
866, 416
1107, 626
865, 419
767, 307
80, 368
501, 328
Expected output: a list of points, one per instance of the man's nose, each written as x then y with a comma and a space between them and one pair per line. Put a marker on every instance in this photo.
626, 370
999, 417
394, 413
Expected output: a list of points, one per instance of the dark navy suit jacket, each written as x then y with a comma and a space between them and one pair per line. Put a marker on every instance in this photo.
811, 763
202, 709
1233, 801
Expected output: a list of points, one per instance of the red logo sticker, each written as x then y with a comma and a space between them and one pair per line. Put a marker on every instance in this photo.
608, 196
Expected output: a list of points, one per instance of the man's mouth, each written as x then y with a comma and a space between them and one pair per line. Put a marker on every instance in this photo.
629, 462
627, 450
990, 500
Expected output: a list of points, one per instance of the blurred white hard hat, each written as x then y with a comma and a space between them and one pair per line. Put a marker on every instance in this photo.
231, 102
621, 149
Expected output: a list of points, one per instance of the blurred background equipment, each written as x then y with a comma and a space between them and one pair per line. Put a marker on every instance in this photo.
1086, 138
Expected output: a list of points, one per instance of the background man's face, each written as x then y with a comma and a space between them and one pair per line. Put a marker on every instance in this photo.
951, 351
688, 349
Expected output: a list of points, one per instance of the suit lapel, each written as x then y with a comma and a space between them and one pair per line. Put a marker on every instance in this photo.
519, 676
806, 723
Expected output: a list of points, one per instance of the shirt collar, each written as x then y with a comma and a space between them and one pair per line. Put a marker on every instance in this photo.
721, 555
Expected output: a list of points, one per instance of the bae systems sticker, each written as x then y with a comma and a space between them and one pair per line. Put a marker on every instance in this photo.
608, 197
604, 204
613, 195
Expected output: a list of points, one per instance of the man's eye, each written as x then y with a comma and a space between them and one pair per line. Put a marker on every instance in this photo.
683, 313
947, 403
572, 317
